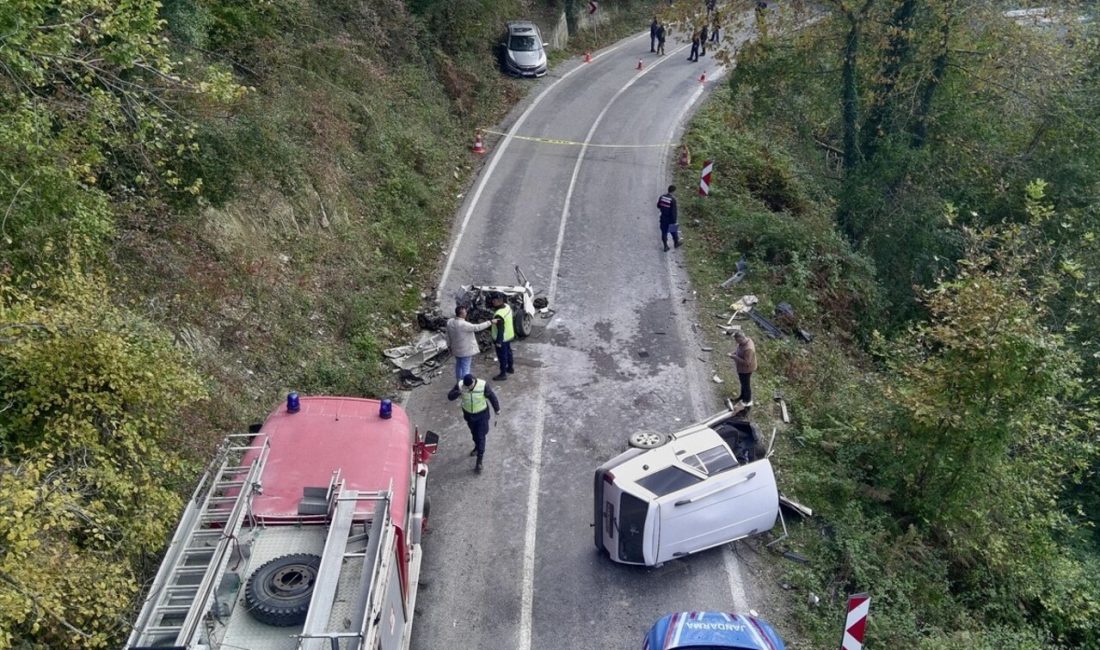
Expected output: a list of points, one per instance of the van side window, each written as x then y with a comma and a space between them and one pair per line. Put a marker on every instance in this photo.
717, 459
668, 480
711, 461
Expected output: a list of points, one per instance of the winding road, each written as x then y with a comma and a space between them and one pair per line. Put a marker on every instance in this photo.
509, 559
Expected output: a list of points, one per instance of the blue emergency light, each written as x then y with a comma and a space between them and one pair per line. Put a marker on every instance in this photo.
292, 404
385, 409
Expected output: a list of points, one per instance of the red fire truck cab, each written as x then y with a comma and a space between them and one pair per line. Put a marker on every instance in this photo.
302, 535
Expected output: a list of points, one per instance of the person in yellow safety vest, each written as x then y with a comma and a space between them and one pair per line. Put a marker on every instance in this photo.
503, 331
476, 396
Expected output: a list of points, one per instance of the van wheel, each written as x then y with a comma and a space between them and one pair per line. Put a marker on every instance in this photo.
524, 324
278, 592
647, 439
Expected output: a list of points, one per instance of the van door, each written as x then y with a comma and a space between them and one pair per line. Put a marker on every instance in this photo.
729, 505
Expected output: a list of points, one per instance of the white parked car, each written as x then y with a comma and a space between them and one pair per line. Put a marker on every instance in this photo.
674, 495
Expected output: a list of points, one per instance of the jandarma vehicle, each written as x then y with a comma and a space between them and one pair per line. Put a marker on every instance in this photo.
524, 51
676, 494
712, 631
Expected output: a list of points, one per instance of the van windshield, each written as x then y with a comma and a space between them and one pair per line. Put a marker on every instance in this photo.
632, 515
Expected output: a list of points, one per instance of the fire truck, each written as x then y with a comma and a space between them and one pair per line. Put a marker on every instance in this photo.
303, 534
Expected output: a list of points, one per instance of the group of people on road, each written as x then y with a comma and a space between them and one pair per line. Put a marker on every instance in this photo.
708, 33
476, 394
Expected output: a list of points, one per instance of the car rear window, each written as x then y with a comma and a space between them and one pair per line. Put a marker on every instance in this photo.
668, 480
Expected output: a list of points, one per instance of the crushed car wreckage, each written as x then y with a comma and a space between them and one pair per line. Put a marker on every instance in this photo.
420, 361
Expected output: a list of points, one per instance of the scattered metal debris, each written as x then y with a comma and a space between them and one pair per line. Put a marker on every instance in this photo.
795, 507
785, 316
716, 379
742, 269
419, 363
797, 557
707, 348
769, 327
782, 402
407, 357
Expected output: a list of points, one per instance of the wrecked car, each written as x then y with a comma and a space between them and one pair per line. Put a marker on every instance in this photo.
520, 297
671, 495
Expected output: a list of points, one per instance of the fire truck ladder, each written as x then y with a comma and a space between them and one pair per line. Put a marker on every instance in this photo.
366, 599
193, 566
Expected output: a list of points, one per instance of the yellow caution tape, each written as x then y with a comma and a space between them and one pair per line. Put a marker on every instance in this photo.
530, 138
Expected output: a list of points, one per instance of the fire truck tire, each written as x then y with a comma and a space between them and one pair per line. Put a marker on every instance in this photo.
427, 507
524, 324
278, 592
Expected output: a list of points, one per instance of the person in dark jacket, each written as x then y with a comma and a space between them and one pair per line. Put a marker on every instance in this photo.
667, 205
717, 25
653, 27
477, 395
703, 41
694, 56
661, 31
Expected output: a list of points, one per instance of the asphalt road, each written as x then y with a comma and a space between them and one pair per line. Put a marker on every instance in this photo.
510, 560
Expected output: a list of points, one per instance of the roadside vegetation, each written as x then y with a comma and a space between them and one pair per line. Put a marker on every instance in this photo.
918, 179
206, 203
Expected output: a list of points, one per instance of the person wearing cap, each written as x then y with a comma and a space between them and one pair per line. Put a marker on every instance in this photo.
744, 358
476, 396
503, 331
462, 341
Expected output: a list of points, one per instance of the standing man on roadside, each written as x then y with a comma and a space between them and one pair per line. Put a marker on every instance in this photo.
476, 396
694, 56
744, 358
661, 31
653, 27
715, 26
666, 203
503, 331
703, 40
462, 341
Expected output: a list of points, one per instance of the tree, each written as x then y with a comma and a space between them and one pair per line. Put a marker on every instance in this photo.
991, 417
92, 120
90, 397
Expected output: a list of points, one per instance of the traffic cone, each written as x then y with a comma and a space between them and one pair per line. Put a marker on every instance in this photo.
588, 57
640, 65
479, 145
703, 77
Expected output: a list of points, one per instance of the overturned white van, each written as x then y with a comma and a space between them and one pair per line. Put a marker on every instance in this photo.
673, 495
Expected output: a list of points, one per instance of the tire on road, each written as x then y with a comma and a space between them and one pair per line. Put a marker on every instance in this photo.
524, 324
647, 439
278, 592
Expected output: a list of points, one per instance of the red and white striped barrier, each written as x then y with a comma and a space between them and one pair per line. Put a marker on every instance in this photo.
856, 622
704, 178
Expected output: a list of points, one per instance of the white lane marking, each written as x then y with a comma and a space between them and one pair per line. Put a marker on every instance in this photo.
528, 593
496, 158
738, 599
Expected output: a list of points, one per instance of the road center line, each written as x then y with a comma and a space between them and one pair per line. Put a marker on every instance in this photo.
496, 158
529, 537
